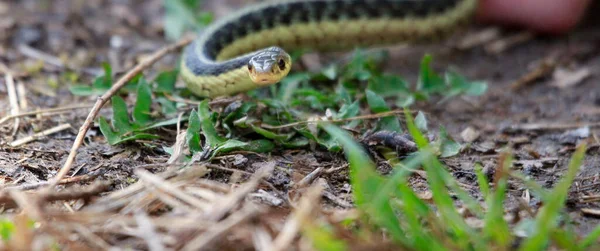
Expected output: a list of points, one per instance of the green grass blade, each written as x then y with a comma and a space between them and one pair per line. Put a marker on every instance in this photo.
366, 184
437, 181
482, 181
548, 216
591, 239
495, 227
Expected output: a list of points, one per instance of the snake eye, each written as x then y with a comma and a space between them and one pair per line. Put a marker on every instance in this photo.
249, 67
281, 64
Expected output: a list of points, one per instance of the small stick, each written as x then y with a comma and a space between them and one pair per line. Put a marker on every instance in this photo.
12, 96
44, 133
104, 99
45, 112
368, 116
202, 242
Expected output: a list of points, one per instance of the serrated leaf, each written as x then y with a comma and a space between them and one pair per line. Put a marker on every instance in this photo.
143, 102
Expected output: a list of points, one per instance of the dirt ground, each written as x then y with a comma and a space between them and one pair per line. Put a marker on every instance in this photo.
543, 99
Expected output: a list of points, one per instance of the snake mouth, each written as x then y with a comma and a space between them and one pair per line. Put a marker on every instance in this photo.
263, 79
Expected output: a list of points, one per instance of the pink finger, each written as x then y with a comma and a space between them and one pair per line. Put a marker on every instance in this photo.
549, 16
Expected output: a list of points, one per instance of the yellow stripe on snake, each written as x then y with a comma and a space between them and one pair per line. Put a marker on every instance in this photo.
247, 50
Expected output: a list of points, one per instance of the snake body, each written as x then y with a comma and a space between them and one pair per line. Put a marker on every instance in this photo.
247, 49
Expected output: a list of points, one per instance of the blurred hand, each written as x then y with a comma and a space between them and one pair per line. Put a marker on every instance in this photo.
547, 16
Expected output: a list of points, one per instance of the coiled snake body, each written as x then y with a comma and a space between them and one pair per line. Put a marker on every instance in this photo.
247, 50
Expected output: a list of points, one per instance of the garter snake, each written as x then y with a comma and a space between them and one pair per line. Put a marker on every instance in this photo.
247, 49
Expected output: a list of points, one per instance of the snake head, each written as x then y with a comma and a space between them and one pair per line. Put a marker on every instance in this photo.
269, 66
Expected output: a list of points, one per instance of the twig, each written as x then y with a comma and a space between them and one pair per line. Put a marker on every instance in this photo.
8, 200
64, 181
231, 200
12, 95
44, 133
161, 184
202, 241
301, 216
544, 68
33, 53
104, 98
368, 116
44, 112
22, 93
551, 126
308, 179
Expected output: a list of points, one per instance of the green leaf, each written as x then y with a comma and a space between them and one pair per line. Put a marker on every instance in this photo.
141, 110
476, 88
99, 86
167, 106
259, 146
192, 134
104, 82
289, 85
81, 90
330, 72
270, 135
120, 118
213, 139
349, 111
421, 121
138, 136
165, 81
388, 85
429, 80
112, 137
449, 147
376, 103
